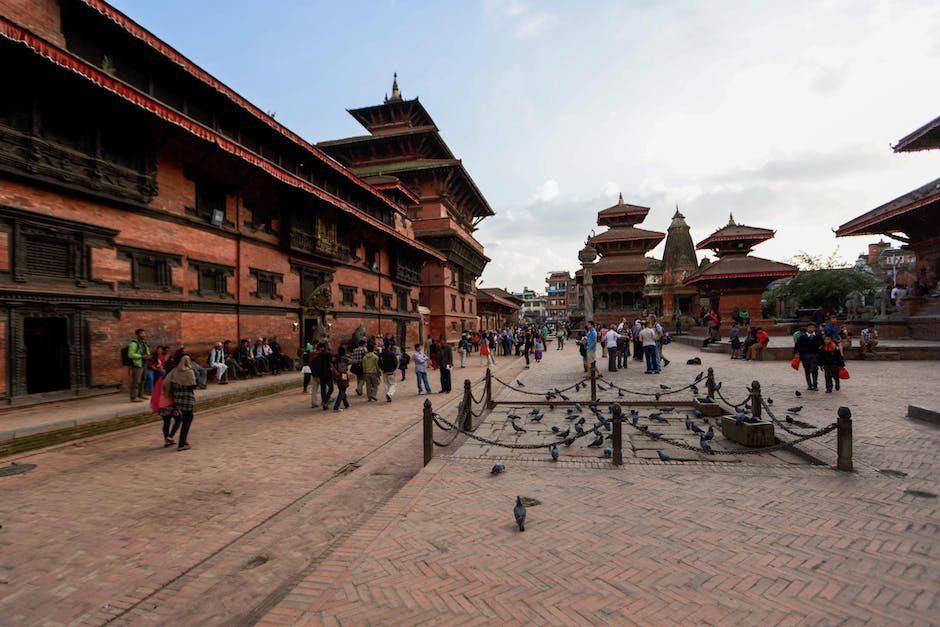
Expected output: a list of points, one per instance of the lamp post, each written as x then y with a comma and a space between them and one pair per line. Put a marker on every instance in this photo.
587, 256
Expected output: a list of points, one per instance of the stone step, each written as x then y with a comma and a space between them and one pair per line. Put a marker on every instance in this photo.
927, 414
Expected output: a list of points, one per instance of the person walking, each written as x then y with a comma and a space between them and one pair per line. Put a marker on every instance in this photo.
612, 339
807, 347
485, 353
420, 360
355, 365
370, 370
446, 356
138, 353
341, 378
180, 383
649, 337
322, 368
590, 347
389, 363
831, 361
463, 348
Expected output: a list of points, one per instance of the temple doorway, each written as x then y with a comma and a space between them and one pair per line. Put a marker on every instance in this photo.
47, 354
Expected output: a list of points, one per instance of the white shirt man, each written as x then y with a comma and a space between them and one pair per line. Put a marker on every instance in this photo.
217, 361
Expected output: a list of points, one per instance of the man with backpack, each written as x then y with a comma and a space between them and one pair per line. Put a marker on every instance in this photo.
388, 361
137, 353
446, 358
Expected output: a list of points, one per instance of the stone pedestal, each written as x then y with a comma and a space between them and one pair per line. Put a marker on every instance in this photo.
748, 433
709, 409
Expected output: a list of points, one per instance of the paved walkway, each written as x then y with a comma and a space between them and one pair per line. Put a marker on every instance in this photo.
283, 514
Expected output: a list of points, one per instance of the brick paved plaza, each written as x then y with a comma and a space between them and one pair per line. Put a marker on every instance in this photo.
284, 515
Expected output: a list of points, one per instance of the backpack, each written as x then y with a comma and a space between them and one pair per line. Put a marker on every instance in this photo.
125, 356
389, 361
405, 359
666, 339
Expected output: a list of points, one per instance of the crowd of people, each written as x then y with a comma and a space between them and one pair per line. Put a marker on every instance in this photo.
646, 335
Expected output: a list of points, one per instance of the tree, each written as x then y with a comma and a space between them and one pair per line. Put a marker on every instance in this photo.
828, 287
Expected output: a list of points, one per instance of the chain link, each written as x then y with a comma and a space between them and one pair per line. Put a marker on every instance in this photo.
779, 422
480, 438
729, 403
752, 451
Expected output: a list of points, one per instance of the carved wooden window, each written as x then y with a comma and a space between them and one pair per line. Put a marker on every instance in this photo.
150, 270
349, 295
370, 299
49, 256
453, 302
463, 304
370, 259
212, 279
453, 276
402, 299
266, 284
386, 301
414, 305
210, 202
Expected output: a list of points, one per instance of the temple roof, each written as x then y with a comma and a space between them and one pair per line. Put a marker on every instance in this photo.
392, 114
499, 296
627, 233
732, 267
621, 264
392, 187
621, 213
735, 232
924, 138
417, 142
879, 220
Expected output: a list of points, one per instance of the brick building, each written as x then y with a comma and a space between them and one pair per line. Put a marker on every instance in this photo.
498, 308
557, 296
404, 151
136, 190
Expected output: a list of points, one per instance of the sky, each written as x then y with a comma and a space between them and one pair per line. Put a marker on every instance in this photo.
783, 114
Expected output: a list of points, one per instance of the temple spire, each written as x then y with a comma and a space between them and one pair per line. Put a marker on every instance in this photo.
677, 214
731, 219
396, 93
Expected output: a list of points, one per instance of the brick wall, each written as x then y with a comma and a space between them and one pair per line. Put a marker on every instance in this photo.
43, 17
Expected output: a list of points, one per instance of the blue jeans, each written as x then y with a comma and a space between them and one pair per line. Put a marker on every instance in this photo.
341, 398
423, 376
652, 360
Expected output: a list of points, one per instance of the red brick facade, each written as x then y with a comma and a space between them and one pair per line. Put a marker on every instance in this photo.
215, 225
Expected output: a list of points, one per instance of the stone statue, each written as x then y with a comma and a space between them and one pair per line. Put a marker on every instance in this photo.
358, 335
853, 303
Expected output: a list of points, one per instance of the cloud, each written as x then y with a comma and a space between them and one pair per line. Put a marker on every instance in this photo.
611, 189
524, 20
548, 191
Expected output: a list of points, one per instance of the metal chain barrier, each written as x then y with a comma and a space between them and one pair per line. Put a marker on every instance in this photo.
729, 403
755, 451
479, 438
779, 422
656, 394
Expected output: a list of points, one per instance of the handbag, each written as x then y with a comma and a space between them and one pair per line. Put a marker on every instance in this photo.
795, 362
843, 373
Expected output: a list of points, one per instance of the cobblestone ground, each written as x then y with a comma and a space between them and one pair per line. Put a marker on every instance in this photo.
287, 515
762, 539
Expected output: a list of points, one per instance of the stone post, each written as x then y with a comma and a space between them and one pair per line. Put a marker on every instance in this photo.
587, 256
710, 383
467, 406
488, 390
756, 399
844, 439
428, 432
617, 436
593, 368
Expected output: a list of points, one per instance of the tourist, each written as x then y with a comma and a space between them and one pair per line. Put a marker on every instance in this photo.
590, 347
446, 355
560, 335
602, 338
322, 368
340, 371
846, 336
305, 360
180, 384
543, 333
313, 363
217, 361
370, 370
156, 367
734, 335
807, 347
420, 360
355, 365
745, 317
388, 362
635, 336
761, 340
831, 361
868, 339
897, 296
259, 356
244, 358
612, 340
623, 343
831, 329
403, 360
234, 370
527, 345
463, 348
649, 337
138, 352
537, 348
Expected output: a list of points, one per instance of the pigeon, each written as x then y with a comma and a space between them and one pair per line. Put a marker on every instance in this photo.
705, 445
581, 420
709, 434
705, 420
520, 383
551, 407
657, 396
497, 468
596, 429
634, 412
634, 419
718, 386
663, 457
620, 393
514, 417
608, 452
569, 411
798, 393
577, 387
658, 418
534, 411
739, 418
697, 429
555, 429
537, 417
517, 428
698, 413
699, 377
688, 424
643, 428
519, 512
788, 419
554, 453
549, 396
564, 434
578, 428
694, 389
564, 398
770, 401
663, 386
572, 417
598, 441
577, 407
667, 410
795, 410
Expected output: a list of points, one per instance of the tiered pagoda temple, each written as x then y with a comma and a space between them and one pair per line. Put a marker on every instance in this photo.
737, 279
405, 156
679, 262
620, 276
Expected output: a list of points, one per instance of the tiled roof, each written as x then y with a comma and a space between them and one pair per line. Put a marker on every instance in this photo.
872, 222
733, 232
621, 264
742, 266
626, 233
924, 138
